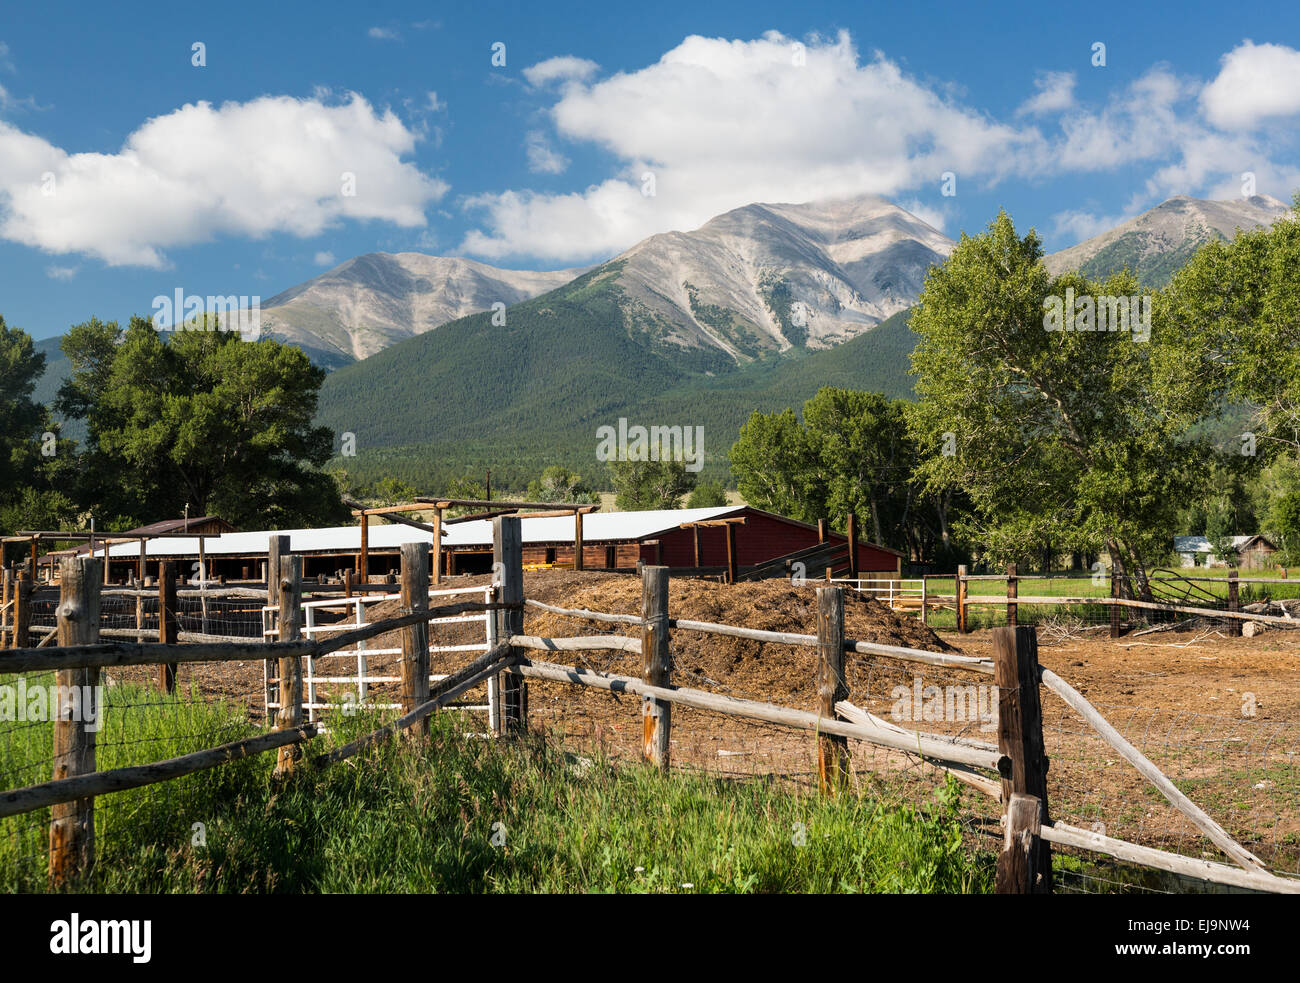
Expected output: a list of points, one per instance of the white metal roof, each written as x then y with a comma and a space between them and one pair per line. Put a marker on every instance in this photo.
596, 527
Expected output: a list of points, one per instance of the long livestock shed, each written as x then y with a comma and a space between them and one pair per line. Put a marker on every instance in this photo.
711, 540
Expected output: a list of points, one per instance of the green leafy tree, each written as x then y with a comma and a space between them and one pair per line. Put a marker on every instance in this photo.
641, 485
1286, 516
390, 491
710, 495
1237, 307
775, 466
1074, 438
559, 484
207, 420
22, 421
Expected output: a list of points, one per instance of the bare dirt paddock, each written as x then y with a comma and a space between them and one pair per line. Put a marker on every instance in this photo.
1220, 716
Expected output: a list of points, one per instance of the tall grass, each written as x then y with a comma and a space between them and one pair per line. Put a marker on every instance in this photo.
457, 813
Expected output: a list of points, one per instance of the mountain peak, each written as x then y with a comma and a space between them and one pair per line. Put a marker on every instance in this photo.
1156, 243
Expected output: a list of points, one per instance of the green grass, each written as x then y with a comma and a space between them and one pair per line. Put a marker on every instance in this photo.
458, 814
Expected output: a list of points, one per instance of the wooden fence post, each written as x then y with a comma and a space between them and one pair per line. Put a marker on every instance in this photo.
832, 750
290, 715
72, 824
1017, 870
1234, 624
925, 602
1013, 591
437, 562
853, 546
1020, 739
415, 638
508, 562
276, 548
656, 715
961, 598
577, 542
1114, 607
6, 610
21, 595
363, 560
167, 623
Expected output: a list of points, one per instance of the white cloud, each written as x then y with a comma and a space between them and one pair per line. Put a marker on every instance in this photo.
323, 258
273, 164
383, 34
1055, 93
1255, 82
61, 272
435, 105
1076, 225
541, 158
565, 68
724, 123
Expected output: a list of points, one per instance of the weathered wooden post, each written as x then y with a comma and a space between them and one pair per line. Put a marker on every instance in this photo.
21, 595
853, 546
1234, 624
72, 824
508, 564
437, 550
961, 598
733, 561
656, 663
277, 547
1013, 591
415, 638
925, 602
290, 669
832, 750
1114, 604
166, 623
1022, 847
1020, 740
577, 541
6, 608
363, 561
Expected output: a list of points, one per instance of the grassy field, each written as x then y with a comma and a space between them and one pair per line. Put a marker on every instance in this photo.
461, 814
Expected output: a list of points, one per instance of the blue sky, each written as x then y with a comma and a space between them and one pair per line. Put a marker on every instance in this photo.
127, 172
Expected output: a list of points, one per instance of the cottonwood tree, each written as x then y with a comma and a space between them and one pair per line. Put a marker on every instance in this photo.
1074, 438
206, 420
21, 419
561, 485
852, 454
1238, 306
641, 485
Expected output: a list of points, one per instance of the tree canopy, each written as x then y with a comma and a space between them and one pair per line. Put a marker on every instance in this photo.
1076, 438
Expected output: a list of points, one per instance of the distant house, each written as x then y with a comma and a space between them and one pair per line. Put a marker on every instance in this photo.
1251, 552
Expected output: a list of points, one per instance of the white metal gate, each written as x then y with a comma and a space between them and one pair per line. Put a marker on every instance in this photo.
362, 679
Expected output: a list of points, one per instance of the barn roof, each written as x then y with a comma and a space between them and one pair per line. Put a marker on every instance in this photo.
596, 527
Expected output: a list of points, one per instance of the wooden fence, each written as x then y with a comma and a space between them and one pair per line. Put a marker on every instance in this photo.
963, 600
1012, 771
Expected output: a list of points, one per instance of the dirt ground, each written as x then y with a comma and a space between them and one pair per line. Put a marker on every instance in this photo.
1220, 715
